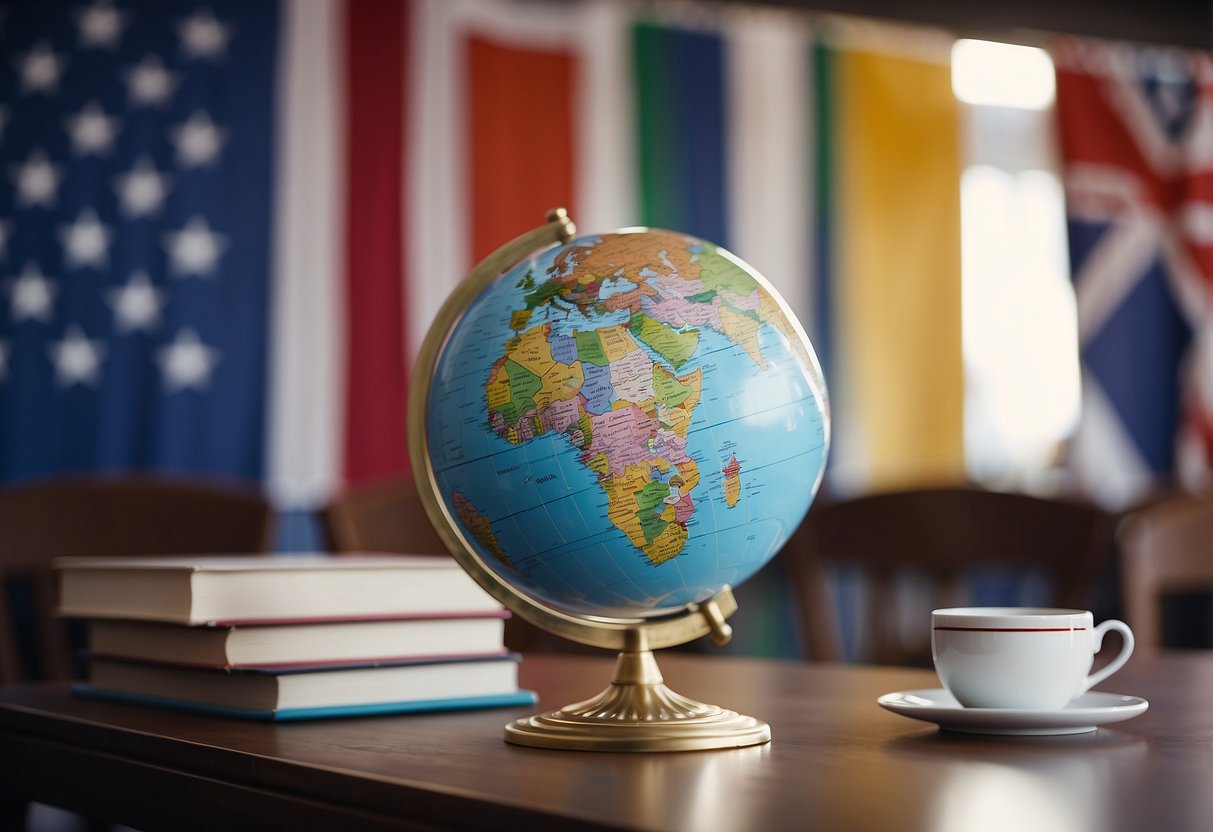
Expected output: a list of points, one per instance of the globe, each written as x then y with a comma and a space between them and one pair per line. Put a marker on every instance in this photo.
617, 428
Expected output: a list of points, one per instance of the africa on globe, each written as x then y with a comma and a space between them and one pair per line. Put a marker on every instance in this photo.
626, 423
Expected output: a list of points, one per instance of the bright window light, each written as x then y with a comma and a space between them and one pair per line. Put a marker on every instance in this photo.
1022, 390
1002, 75
1019, 325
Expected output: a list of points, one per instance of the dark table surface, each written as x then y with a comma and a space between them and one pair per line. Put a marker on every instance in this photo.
837, 761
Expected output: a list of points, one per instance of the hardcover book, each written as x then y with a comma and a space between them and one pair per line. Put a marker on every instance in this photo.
290, 645
272, 588
312, 693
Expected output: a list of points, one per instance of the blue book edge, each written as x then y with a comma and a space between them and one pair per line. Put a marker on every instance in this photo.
499, 700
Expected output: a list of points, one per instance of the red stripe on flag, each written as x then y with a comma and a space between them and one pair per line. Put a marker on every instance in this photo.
376, 381
1093, 129
520, 126
1090, 129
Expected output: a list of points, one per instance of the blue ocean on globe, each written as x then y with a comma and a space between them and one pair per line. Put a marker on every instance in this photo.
627, 423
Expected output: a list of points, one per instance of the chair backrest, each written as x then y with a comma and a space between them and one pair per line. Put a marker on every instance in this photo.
111, 515
383, 517
1166, 547
926, 545
389, 517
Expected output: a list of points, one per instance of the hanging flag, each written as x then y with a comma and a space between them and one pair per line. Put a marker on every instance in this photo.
724, 138
681, 126
896, 357
511, 109
520, 126
226, 227
769, 94
135, 142
375, 87
1136, 128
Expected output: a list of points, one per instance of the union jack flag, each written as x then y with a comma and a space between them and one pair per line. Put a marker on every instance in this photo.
1136, 128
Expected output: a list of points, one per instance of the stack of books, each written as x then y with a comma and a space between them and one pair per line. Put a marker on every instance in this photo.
292, 636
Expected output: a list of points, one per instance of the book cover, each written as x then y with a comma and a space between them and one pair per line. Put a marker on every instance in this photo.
311, 693
267, 588
299, 645
517, 698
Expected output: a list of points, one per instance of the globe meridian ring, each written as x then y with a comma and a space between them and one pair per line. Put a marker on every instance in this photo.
703, 606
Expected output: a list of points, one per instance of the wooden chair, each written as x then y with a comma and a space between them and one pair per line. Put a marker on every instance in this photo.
388, 517
383, 517
927, 544
127, 515
1165, 548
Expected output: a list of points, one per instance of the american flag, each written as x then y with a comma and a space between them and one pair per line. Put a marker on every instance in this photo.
1137, 144
135, 235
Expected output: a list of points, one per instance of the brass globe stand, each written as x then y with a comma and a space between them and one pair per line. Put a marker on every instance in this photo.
637, 712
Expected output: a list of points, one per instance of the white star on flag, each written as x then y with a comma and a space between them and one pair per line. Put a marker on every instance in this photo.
136, 304
32, 295
92, 131
198, 141
202, 36
85, 242
37, 180
40, 69
77, 358
187, 362
100, 25
142, 191
195, 250
149, 84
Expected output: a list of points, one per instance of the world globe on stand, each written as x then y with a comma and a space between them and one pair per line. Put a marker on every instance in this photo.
619, 427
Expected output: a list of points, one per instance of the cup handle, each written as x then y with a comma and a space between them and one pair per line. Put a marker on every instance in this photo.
1116, 663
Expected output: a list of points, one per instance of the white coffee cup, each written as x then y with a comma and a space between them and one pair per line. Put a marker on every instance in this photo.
1021, 657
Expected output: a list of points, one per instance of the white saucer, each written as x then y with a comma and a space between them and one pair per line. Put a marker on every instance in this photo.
1081, 716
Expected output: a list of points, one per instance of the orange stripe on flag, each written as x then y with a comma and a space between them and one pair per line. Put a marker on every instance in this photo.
521, 134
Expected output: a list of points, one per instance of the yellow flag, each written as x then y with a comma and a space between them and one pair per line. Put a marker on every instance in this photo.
897, 284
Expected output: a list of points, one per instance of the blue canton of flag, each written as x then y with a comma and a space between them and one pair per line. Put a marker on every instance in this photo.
135, 188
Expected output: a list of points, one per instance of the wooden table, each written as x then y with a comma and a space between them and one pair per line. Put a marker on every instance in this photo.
837, 762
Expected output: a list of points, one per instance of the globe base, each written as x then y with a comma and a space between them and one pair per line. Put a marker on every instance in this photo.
638, 713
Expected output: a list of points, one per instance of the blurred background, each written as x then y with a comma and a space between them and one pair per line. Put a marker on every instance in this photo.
225, 225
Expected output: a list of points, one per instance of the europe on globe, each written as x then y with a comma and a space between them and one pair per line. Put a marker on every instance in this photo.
626, 423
